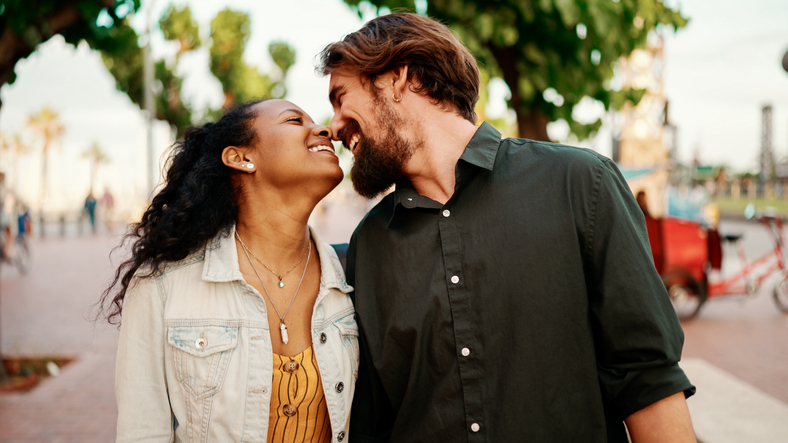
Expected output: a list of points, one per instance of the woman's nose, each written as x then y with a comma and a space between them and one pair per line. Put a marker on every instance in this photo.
323, 131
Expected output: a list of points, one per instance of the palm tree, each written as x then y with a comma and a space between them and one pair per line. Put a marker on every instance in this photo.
47, 126
16, 147
96, 156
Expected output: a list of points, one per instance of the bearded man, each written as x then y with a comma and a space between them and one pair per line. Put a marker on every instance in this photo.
505, 291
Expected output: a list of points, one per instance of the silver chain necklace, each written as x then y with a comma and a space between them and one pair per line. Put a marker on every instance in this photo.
282, 326
281, 284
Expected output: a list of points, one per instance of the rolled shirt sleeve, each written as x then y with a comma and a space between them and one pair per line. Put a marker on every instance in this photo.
638, 336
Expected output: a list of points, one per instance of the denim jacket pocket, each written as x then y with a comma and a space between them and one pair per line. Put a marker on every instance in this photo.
201, 355
349, 330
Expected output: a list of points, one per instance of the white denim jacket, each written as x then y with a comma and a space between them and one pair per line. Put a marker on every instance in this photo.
195, 362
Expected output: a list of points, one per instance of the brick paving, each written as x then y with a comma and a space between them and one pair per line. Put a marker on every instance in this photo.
46, 313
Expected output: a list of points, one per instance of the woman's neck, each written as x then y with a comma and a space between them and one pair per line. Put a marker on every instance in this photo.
274, 232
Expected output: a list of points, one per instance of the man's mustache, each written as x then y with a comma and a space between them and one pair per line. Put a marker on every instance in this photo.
350, 128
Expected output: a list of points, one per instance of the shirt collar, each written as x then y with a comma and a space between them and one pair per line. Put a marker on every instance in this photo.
480, 152
483, 147
221, 262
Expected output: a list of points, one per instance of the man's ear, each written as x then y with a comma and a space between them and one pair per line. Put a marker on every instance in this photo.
236, 158
399, 81
395, 82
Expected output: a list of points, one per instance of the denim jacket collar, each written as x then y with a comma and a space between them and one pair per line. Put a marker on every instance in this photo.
221, 262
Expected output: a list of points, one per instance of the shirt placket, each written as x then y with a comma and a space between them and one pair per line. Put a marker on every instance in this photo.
466, 344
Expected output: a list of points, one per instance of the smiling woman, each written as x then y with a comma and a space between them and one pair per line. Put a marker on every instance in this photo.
228, 289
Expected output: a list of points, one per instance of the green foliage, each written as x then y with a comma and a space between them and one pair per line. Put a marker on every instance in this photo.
178, 25
230, 31
571, 46
25, 24
241, 81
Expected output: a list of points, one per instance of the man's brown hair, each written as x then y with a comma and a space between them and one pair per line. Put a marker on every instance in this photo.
443, 68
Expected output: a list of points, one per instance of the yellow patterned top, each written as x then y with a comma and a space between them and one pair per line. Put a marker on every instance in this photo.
298, 404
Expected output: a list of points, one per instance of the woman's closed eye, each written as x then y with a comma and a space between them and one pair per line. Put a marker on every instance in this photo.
295, 119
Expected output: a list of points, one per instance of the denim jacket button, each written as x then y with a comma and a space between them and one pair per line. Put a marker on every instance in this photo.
323, 337
340, 387
341, 436
200, 343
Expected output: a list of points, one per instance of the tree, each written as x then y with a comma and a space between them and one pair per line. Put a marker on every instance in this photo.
48, 128
240, 81
14, 145
230, 31
96, 156
569, 46
24, 24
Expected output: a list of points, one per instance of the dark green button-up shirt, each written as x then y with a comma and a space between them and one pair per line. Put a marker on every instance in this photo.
525, 309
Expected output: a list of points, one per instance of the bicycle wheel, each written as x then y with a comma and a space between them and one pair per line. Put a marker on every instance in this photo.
781, 294
686, 294
21, 257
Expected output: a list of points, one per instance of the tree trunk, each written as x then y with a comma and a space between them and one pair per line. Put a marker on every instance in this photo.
531, 124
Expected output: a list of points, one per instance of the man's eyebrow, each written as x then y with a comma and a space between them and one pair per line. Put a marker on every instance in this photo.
335, 91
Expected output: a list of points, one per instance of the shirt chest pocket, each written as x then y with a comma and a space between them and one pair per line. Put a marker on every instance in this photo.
201, 355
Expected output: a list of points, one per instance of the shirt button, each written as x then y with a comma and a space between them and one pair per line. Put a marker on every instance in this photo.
340, 387
446, 213
455, 279
200, 343
323, 337
341, 435
475, 427
465, 352
291, 366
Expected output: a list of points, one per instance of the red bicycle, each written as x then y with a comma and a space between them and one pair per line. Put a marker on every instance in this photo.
684, 253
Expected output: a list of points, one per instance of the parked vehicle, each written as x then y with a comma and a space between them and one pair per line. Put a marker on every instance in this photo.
685, 252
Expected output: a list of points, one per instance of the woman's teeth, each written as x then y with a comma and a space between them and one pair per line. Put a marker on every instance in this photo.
321, 148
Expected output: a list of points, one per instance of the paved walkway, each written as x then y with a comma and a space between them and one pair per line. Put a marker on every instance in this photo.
45, 313
733, 353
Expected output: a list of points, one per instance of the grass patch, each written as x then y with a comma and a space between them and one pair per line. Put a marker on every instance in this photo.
25, 373
736, 207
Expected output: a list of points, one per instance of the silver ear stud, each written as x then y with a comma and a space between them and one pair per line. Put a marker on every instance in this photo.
249, 166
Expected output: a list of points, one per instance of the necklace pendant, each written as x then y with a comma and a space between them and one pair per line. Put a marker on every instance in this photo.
283, 329
281, 283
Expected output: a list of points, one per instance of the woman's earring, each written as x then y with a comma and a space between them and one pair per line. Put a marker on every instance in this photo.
249, 166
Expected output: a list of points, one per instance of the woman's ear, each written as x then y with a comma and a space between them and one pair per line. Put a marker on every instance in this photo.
236, 158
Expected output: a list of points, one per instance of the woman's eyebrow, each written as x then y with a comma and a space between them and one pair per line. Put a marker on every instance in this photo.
297, 111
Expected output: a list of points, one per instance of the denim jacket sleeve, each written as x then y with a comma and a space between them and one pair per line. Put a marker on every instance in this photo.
144, 413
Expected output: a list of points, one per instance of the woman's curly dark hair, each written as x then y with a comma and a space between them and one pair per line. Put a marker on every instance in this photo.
198, 202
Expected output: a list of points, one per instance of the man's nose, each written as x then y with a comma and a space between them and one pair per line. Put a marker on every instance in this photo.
336, 125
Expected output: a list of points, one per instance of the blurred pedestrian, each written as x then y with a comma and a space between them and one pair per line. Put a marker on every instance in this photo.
107, 204
236, 320
23, 220
504, 291
5, 218
90, 208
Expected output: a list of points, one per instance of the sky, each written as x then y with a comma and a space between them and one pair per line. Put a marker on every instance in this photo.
719, 72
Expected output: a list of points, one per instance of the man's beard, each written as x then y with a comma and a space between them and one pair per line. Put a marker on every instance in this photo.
379, 161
